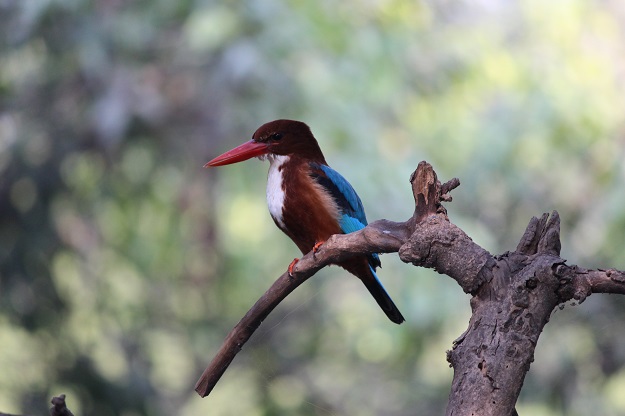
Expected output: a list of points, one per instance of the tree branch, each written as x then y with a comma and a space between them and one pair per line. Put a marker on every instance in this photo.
381, 236
513, 294
578, 283
59, 407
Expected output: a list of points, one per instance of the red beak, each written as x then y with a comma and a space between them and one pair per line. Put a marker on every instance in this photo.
240, 153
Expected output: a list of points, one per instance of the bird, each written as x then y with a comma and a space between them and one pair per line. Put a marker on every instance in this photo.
308, 200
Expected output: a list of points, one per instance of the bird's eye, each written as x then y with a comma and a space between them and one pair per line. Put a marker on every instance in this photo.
276, 136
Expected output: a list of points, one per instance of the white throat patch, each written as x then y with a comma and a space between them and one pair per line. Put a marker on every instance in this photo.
275, 192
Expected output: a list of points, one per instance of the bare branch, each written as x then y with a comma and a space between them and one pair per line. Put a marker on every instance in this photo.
514, 293
382, 236
242, 332
379, 237
59, 407
578, 283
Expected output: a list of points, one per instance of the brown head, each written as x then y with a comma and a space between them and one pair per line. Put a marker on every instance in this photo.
278, 137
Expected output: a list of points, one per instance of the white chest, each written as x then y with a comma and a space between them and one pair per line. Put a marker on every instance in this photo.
275, 190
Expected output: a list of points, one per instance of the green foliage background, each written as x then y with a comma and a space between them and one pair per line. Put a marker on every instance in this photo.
123, 263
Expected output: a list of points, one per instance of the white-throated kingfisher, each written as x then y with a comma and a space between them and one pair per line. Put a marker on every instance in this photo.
308, 200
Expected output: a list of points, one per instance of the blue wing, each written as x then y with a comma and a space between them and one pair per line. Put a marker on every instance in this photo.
350, 206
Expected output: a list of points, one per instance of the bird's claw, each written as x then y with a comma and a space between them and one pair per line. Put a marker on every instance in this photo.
317, 246
291, 266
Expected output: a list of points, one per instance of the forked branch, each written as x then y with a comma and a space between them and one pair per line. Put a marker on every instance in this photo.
513, 294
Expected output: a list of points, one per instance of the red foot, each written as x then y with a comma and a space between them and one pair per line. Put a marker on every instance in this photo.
290, 269
317, 246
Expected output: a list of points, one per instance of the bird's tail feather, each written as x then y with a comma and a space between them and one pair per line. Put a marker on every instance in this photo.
382, 297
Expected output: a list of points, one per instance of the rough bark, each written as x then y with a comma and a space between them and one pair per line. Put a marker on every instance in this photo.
513, 294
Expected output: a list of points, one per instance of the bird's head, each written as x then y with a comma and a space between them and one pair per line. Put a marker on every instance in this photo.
278, 137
